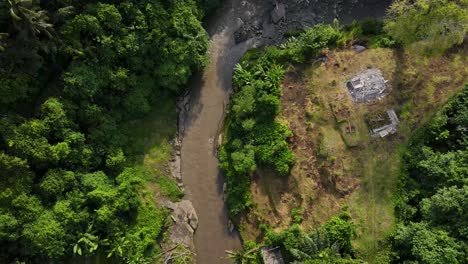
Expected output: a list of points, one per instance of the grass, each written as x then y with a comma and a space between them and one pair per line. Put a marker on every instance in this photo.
372, 205
151, 147
336, 167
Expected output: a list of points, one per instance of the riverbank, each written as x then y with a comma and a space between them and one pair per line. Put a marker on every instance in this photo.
209, 94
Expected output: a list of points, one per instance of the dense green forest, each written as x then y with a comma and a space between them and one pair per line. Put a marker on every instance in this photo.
73, 75
433, 199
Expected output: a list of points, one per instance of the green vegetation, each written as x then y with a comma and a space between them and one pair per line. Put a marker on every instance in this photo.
330, 243
74, 77
433, 199
254, 136
432, 26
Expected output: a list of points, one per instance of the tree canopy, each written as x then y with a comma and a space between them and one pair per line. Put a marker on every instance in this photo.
433, 199
433, 26
72, 73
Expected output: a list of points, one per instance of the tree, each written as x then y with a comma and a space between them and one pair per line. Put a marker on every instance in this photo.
8, 227
244, 161
56, 182
45, 236
448, 208
14, 86
15, 177
341, 231
419, 242
432, 26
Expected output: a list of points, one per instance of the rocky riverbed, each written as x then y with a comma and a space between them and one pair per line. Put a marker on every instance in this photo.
272, 22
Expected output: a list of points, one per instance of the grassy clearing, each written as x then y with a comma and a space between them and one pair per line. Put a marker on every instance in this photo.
150, 145
337, 162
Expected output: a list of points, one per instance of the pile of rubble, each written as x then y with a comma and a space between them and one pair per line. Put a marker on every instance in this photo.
367, 86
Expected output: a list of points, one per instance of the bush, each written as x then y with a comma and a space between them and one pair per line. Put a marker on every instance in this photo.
311, 42
330, 243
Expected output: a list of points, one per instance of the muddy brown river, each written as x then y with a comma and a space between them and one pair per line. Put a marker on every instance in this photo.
200, 172
209, 92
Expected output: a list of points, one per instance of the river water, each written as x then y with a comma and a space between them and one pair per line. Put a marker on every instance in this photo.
199, 167
209, 93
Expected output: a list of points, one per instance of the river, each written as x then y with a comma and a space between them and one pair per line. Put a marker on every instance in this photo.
209, 92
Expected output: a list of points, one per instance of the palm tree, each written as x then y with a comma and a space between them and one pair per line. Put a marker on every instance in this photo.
28, 17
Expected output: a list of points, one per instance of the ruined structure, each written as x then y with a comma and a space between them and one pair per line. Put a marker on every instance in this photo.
387, 129
367, 86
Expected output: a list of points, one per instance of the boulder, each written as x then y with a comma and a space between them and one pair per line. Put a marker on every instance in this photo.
278, 13
359, 48
247, 31
185, 222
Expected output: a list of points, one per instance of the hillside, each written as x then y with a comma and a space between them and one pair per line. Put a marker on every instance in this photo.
338, 163
320, 161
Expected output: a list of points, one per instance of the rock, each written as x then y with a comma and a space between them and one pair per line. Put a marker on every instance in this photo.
230, 226
193, 221
271, 255
224, 191
239, 22
278, 13
189, 228
322, 58
248, 31
220, 139
359, 48
175, 168
248, 10
185, 223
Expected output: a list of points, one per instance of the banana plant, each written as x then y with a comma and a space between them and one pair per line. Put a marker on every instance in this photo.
88, 243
